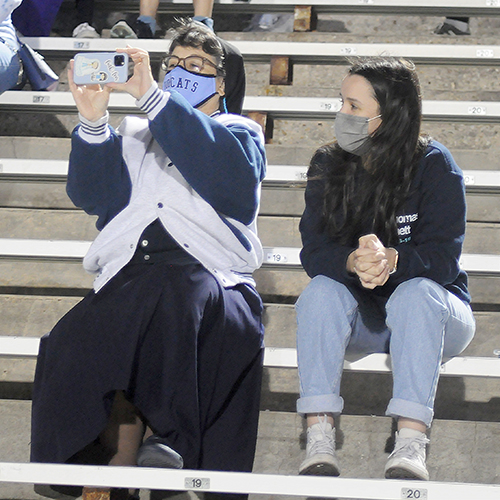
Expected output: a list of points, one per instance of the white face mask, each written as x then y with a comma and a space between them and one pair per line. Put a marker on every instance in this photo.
352, 133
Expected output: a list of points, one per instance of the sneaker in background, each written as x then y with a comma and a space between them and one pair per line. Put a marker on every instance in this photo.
140, 29
447, 28
272, 23
407, 461
143, 30
84, 30
122, 30
320, 451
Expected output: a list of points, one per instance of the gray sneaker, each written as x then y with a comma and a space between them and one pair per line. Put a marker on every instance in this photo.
155, 452
84, 30
407, 461
320, 451
122, 30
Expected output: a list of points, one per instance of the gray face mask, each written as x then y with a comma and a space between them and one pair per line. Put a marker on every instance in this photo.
352, 133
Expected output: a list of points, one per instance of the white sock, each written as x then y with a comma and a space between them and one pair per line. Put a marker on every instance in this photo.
405, 432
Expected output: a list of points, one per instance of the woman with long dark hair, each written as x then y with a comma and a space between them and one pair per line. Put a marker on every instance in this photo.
382, 236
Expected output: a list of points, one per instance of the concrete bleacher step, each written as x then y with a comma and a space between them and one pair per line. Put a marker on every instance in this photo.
276, 201
58, 148
274, 231
363, 445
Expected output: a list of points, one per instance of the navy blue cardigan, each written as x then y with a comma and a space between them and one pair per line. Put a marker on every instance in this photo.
431, 230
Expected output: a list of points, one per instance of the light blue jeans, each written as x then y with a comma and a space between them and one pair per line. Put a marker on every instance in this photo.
9, 67
425, 323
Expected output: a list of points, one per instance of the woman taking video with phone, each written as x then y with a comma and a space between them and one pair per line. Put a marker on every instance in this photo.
382, 235
169, 342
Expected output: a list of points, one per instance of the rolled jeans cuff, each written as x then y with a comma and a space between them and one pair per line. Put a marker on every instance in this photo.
326, 403
409, 409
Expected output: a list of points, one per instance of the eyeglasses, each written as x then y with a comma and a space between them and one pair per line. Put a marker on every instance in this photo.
195, 64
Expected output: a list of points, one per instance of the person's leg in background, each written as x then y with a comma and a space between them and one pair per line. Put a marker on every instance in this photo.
35, 18
85, 18
9, 68
10, 64
203, 12
143, 27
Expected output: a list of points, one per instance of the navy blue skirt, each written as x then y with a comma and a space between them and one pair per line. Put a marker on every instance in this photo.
186, 352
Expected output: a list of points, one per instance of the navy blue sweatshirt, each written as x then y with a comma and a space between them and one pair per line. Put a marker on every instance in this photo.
431, 229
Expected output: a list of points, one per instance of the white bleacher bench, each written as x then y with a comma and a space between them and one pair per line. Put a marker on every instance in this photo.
407, 7
277, 175
289, 256
286, 357
299, 52
310, 108
283, 55
273, 256
241, 482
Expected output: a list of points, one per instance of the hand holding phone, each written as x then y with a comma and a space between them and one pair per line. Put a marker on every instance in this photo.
100, 68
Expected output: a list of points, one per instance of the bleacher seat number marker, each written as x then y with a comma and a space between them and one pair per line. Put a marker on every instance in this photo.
81, 45
348, 51
198, 483
276, 257
41, 99
492, 3
477, 110
414, 493
469, 180
330, 106
485, 53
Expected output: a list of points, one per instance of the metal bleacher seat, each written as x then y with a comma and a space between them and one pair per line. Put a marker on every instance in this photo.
278, 107
304, 52
279, 175
237, 482
423, 7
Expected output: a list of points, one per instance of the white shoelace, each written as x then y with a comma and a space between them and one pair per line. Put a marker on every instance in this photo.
411, 448
321, 438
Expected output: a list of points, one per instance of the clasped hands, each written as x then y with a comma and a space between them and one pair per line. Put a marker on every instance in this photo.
371, 261
92, 100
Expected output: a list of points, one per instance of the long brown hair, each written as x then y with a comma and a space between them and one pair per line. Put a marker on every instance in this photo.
355, 195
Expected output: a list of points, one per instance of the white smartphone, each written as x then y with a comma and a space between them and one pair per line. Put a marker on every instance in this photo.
100, 67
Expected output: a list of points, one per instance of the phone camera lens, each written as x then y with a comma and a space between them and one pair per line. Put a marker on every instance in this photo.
119, 60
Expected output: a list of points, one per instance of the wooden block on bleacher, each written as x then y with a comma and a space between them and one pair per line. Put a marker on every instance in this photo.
265, 121
96, 493
304, 18
281, 71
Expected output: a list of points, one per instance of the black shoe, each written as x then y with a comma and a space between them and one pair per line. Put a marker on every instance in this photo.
155, 452
449, 29
123, 494
143, 30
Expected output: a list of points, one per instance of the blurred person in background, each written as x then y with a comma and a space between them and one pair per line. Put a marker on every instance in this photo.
10, 63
